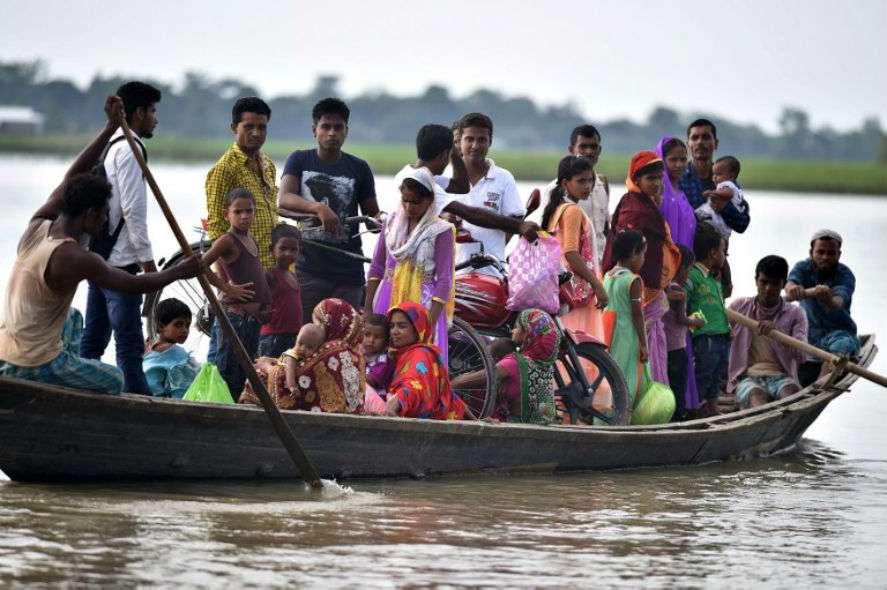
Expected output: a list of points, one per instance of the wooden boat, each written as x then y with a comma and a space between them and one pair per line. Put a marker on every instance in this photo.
56, 434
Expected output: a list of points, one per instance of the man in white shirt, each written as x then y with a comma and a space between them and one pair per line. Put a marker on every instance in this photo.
435, 150
491, 187
110, 311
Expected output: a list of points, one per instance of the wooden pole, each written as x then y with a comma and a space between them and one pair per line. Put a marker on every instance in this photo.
787, 340
303, 464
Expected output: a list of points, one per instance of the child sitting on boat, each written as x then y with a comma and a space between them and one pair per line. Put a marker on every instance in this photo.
379, 364
169, 368
308, 341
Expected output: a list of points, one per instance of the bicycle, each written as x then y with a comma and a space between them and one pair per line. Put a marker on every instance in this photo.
480, 301
466, 348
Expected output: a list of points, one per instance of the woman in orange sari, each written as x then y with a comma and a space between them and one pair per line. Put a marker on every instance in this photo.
421, 385
639, 209
564, 217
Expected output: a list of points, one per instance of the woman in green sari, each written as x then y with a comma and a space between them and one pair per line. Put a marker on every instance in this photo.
525, 378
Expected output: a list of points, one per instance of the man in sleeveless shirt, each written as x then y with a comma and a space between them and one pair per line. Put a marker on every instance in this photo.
39, 330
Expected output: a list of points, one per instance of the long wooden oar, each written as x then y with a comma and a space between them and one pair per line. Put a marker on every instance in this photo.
304, 465
783, 338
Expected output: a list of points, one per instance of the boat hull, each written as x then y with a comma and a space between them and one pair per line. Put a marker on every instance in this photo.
57, 434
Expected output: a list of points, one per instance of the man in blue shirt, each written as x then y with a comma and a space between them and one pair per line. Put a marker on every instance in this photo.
702, 141
825, 288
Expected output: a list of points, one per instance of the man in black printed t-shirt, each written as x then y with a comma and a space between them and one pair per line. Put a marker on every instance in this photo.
330, 184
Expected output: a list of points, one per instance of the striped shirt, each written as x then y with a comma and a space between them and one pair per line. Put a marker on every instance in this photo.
232, 171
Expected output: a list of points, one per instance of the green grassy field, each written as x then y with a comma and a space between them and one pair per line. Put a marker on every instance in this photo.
788, 175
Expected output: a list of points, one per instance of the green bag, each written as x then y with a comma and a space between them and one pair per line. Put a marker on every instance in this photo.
656, 403
209, 386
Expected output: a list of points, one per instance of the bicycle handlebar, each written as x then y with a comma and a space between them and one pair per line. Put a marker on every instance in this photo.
481, 260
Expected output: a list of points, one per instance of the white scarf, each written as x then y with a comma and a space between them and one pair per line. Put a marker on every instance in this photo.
417, 245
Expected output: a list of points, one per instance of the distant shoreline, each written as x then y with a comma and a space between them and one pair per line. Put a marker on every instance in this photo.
867, 178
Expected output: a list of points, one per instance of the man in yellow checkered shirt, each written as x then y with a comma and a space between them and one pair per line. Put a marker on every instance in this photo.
244, 165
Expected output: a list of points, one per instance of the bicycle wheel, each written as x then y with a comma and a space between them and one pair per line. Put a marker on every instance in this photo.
188, 291
603, 375
468, 353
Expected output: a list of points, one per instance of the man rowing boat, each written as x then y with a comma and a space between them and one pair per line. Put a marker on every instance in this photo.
39, 332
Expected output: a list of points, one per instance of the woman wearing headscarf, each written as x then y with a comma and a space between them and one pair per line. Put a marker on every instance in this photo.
413, 260
524, 379
332, 379
529, 371
421, 384
639, 209
681, 220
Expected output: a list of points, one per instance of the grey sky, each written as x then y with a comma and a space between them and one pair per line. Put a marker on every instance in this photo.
743, 59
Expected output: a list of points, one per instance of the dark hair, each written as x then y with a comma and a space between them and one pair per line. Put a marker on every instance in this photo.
238, 193
284, 230
499, 348
476, 120
135, 95
627, 243
656, 167
775, 267
707, 238
169, 310
567, 168
330, 106
84, 192
687, 257
379, 320
433, 139
703, 123
731, 163
670, 145
584, 131
249, 104
417, 187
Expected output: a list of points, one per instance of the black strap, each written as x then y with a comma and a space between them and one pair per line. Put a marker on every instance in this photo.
120, 223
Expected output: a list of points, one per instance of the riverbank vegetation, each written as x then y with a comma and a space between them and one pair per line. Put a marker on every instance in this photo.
757, 173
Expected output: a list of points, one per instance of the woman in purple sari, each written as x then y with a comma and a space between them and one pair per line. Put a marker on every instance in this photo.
681, 219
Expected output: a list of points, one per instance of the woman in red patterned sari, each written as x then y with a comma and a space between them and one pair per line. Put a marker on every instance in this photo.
421, 385
333, 379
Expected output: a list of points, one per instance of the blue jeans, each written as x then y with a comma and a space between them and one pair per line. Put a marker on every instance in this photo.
121, 313
836, 342
274, 345
247, 329
711, 354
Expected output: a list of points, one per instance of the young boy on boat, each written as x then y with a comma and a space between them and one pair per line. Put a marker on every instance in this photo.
677, 324
705, 295
169, 368
279, 333
39, 332
763, 370
245, 293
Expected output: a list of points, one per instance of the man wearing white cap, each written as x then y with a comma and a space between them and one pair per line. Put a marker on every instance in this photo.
825, 288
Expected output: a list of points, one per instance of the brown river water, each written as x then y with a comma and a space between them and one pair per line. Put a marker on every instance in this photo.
816, 514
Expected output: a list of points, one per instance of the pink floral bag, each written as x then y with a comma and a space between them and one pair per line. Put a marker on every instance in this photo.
533, 270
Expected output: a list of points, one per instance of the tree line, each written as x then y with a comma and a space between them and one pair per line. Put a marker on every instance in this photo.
201, 109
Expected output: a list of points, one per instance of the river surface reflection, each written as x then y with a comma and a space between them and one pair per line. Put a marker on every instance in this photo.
815, 515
